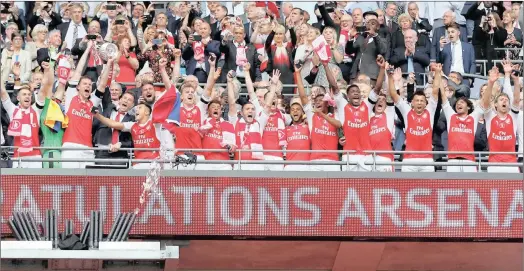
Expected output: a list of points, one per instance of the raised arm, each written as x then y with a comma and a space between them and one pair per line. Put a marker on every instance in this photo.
210, 84
47, 82
165, 77
82, 62
437, 82
392, 89
176, 70
486, 97
275, 79
331, 79
231, 94
381, 62
300, 86
516, 88
102, 81
109, 122
249, 82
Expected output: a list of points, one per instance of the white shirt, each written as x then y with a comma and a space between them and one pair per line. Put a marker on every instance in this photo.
70, 32
437, 9
457, 64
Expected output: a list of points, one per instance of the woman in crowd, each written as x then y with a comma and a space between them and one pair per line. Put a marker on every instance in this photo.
127, 62
16, 55
39, 35
154, 52
304, 54
280, 55
493, 34
514, 39
117, 31
337, 55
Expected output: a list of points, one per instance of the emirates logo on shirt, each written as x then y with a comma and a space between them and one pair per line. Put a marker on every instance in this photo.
82, 114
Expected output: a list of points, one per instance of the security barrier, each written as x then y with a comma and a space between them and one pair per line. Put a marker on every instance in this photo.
310, 205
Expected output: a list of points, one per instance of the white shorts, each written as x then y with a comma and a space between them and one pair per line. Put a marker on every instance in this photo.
196, 166
273, 167
356, 159
249, 167
465, 166
421, 168
324, 167
378, 168
27, 164
496, 169
76, 154
297, 168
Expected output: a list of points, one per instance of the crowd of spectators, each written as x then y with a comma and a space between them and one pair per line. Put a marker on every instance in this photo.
260, 80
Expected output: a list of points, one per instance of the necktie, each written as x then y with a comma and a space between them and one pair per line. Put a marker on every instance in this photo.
75, 33
114, 136
390, 25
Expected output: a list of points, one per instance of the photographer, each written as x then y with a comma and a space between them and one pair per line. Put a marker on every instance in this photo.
492, 34
197, 50
479, 12
367, 47
43, 13
9, 14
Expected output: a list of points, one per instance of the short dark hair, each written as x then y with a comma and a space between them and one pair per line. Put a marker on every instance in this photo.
419, 93
214, 101
147, 106
459, 76
453, 25
468, 103
301, 10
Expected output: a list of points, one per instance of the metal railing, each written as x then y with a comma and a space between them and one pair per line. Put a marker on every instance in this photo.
480, 157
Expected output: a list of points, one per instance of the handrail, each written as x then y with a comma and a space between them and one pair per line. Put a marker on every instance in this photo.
287, 150
268, 162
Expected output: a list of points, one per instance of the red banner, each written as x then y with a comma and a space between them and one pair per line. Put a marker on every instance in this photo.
279, 207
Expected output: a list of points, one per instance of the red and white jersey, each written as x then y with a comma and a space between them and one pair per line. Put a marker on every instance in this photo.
249, 136
356, 128
461, 131
324, 135
297, 137
419, 128
187, 136
382, 131
35, 112
144, 136
80, 117
273, 137
220, 134
502, 135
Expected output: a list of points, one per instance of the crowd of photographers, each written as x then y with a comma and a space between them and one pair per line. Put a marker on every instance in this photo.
261, 81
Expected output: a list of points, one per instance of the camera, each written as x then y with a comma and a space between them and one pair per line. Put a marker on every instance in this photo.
120, 22
390, 70
516, 73
212, 57
197, 38
91, 37
111, 7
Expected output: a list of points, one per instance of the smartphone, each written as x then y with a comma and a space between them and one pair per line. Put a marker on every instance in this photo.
158, 6
147, 18
157, 41
197, 38
212, 57
111, 7
516, 73
91, 37
120, 22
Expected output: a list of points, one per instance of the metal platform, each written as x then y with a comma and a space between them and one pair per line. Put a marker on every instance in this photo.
107, 251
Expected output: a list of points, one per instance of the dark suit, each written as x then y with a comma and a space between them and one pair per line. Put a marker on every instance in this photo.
248, 30
33, 20
229, 50
63, 27
188, 55
103, 136
441, 32
366, 55
422, 25
420, 60
468, 58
